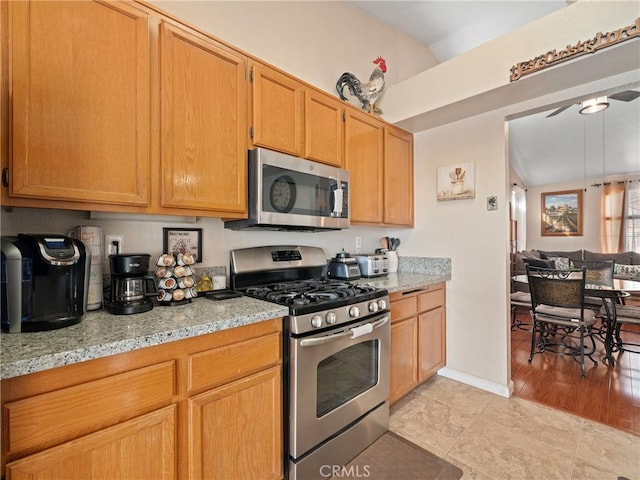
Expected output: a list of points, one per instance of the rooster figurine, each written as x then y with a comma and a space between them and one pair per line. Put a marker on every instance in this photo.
368, 92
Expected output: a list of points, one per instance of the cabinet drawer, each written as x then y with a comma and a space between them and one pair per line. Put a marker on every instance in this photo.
403, 308
430, 300
57, 416
223, 364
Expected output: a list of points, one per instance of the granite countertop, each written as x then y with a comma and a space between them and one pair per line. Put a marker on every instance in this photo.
101, 334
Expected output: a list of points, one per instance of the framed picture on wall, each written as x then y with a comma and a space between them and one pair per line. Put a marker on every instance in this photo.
561, 213
456, 182
183, 240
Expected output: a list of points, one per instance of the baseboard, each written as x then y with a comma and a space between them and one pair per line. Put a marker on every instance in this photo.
481, 383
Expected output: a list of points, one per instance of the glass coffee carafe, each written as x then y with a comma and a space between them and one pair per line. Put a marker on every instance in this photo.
131, 284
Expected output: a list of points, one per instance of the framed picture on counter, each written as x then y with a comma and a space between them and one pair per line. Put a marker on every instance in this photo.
183, 240
561, 213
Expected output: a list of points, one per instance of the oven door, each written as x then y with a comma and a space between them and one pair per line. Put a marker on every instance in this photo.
336, 377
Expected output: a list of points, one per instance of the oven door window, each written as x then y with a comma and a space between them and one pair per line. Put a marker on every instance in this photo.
345, 375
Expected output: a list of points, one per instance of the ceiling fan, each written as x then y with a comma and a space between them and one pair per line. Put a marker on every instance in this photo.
601, 102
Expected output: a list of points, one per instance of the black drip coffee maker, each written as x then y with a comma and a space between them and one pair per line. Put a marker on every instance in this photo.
131, 284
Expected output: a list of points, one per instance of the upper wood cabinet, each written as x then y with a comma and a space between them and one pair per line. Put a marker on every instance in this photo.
203, 118
277, 120
398, 177
364, 137
324, 132
80, 102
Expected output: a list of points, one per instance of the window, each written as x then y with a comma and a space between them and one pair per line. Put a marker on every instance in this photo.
632, 217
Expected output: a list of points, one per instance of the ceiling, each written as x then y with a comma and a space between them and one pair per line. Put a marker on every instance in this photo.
567, 147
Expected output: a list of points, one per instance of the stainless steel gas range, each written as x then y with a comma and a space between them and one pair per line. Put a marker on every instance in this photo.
336, 355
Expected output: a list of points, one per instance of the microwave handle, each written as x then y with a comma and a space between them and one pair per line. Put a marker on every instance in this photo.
337, 200
311, 342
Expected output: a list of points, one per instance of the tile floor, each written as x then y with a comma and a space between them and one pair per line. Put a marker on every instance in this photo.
491, 437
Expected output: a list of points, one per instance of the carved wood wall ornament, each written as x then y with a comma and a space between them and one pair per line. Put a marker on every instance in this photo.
554, 57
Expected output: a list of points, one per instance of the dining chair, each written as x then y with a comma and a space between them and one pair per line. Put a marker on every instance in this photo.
599, 273
626, 316
521, 299
560, 321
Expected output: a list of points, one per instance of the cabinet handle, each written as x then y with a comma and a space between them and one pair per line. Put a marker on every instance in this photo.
411, 292
5, 177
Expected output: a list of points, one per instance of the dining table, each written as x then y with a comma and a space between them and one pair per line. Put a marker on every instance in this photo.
611, 296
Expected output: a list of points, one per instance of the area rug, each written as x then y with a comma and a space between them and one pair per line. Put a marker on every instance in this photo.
392, 457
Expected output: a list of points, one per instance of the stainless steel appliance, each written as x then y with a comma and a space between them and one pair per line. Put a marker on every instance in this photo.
373, 265
290, 193
336, 355
131, 284
343, 267
45, 279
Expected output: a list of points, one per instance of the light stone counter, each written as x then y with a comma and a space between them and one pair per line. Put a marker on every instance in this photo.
101, 334
395, 282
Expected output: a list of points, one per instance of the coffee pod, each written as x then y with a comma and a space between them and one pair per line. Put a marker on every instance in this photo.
161, 272
180, 271
186, 259
167, 260
178, 294
167, 283
164, 296
186, 282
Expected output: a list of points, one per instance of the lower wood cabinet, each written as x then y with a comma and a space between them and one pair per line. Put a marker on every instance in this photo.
417, 337
205, 407
143, 447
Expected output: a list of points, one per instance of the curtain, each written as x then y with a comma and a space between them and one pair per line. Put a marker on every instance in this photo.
632, 217
519, 214
612, 208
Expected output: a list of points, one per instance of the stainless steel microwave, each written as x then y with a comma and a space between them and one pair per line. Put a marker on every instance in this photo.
291, 193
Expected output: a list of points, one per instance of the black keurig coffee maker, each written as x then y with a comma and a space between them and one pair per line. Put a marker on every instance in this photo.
131, 284
45, 278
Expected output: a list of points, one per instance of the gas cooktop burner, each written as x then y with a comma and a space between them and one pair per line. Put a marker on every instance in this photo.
311, 292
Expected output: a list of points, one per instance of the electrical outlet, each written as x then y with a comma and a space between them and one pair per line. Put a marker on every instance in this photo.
113, 244
358, 244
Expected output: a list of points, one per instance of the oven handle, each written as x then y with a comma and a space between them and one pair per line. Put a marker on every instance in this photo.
351, 333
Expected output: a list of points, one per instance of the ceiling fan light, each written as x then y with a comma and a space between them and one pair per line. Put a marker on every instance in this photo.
594, 105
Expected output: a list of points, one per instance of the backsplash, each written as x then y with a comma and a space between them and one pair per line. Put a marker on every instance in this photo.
436, 266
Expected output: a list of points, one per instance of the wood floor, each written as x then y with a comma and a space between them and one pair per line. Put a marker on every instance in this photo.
609, 395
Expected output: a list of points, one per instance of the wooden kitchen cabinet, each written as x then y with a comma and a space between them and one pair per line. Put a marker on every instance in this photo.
364, 137
203, 158
398, 177
418, 335
80, 95
185, 409
324, 128
142, 448
277, 120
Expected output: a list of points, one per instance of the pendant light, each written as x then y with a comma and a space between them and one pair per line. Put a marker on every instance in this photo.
594, 105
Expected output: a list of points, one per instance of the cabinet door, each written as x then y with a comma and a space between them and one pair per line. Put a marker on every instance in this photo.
203, 123
80, 102
324, 132
235, 431
404, 358
278, 110
141, 448
364, 137
431, 342
398, 177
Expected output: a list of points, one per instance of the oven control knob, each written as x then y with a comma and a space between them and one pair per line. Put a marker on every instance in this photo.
373, 307
354, 312
331, 318
382, 304
316, 321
